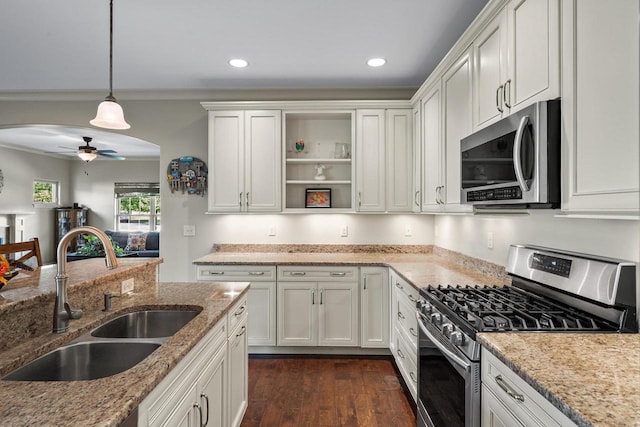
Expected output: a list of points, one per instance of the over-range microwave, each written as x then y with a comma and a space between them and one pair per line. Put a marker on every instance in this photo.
514, 162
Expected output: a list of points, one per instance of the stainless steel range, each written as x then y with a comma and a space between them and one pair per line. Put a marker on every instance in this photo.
552, 290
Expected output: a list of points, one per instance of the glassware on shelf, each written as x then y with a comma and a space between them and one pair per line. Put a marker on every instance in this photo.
341, 151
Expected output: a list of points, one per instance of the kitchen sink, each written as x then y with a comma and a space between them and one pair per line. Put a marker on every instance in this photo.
84, 361
146, 324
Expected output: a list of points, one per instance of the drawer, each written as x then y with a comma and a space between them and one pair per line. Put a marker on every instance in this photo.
292, 273
236, 273
406, 360
531, 405
405, 288
405, 319
237, 313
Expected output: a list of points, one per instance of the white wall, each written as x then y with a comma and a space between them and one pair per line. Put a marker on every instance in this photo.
92, 185
20, 169
468, 234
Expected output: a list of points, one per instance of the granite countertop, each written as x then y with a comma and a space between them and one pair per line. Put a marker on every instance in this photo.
594, 379
106, 401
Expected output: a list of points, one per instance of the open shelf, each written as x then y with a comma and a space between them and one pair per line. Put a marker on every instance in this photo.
321, 183
313, 160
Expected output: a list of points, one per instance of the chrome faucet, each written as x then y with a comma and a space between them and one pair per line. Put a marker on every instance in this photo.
62, 312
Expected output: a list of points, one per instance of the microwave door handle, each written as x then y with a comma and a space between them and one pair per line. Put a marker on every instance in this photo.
517, 148
452, 356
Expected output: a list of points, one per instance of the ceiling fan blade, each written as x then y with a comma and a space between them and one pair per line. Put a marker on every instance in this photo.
107, 151
111, 156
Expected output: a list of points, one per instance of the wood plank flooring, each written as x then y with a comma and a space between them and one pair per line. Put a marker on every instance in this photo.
305, 391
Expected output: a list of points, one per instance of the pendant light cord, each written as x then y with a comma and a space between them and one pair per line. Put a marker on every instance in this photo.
110, 97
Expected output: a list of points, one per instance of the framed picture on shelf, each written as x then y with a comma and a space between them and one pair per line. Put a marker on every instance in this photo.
317, 198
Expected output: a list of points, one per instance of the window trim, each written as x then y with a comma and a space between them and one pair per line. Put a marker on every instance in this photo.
132, 189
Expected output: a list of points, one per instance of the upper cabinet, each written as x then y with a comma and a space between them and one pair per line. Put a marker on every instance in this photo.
516, 60
432, 151
244, 157
600, 107
400, 191
370, 173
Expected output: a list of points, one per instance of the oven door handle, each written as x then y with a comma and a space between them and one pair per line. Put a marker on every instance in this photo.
517, 147
454, 357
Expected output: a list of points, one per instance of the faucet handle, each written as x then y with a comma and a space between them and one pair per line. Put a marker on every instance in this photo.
73, 314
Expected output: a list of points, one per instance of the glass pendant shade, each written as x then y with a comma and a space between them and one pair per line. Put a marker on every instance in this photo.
87, 156
110, 116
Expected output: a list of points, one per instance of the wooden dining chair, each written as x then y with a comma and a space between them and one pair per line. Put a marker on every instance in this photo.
32, 249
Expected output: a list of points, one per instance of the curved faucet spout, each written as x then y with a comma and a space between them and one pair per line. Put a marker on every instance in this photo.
62, 312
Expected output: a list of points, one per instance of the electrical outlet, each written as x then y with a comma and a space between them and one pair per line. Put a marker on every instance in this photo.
127, 286
189, 230
272, 230
344, 231
407, 231
490, 240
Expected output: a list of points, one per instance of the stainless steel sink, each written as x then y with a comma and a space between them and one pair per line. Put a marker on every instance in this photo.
146, 324
84, 361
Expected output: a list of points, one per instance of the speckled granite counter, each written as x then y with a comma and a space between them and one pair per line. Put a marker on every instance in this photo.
594, 379
106, 401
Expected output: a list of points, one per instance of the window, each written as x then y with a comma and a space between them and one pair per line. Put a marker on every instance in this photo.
137, 206
45, 192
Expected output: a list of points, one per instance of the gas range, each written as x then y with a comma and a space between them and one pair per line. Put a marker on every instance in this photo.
552, 291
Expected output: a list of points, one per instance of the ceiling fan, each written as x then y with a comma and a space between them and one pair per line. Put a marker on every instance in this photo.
88, 153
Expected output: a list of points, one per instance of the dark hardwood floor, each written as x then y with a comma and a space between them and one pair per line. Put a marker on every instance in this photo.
304, 391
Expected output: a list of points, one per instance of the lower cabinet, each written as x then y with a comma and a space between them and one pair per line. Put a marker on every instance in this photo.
318, 306
238, 372
374, 307
507, 400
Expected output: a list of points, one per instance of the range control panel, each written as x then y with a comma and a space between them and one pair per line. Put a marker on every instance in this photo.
551, 264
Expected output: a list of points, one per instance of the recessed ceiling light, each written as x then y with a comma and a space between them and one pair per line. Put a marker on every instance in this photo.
376, 62
238, 63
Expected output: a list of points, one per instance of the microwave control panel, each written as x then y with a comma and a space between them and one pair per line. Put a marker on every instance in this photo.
507, 193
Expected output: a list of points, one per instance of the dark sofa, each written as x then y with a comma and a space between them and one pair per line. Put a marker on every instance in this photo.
152, 244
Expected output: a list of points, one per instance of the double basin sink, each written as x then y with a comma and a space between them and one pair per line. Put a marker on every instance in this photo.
114, 347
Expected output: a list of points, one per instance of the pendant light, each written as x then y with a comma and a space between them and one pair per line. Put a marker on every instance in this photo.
110, 114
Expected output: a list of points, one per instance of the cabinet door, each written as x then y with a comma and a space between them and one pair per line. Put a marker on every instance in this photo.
456, 85
297, 316
490, 52
262, 313
417, 159
185, 413
238, 374
338, 314
534, 52
399, 160
600, 106
374, 318
370, 160
226, 160
212, 396
432, 151
494, 414
262, 165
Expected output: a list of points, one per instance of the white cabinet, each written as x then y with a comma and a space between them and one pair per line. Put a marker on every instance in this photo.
517, 60
399, 154
417, 158
319, 148
507, 400
600, 107
456, 93
261, 328
432, 151
404, 334
370, 160
195, 389
238, 390
244, 161
318, 306
374, 304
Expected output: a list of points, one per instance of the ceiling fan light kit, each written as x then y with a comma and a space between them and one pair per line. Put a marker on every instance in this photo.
87, 156
110, 114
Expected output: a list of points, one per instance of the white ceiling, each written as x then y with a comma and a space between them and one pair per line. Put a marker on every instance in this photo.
63, 45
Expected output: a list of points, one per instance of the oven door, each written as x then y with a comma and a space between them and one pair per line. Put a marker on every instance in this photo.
448, 382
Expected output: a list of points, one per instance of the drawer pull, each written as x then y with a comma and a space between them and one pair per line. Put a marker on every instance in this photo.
256, 273
398, 285
401, 316
338, 273
298, 273
242, 331
412, 298
413, 332
240, 311
400, 353
213, 273
511, 392
413, 377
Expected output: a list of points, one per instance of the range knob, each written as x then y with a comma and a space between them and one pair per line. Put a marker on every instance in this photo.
436, 318
447, 329
457, 338
426, 308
